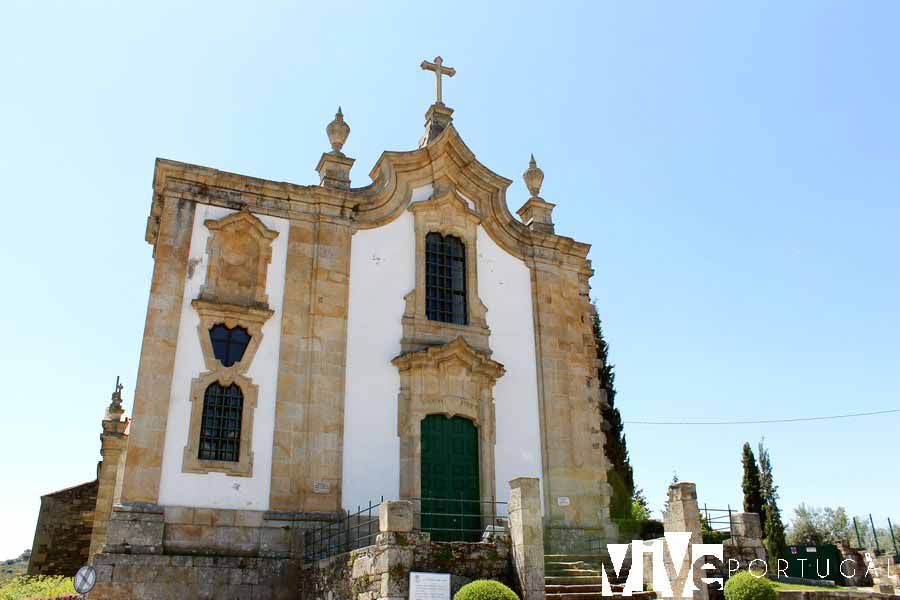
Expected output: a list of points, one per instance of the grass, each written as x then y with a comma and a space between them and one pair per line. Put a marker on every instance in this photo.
38, 586
14, 567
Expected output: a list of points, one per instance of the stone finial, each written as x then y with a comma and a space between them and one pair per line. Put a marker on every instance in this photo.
334, 167
338, 131
115, 411
534, 178
536, 213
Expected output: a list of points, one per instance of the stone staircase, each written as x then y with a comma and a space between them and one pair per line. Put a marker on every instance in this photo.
577, 577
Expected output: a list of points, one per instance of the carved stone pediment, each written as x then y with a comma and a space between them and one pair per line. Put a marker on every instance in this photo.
240, 250
451, 379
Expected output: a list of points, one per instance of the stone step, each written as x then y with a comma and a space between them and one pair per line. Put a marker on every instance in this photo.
569, 589
575, 557
575, 580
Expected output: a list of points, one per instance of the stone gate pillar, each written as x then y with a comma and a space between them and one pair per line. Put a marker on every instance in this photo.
683, 515
526, 531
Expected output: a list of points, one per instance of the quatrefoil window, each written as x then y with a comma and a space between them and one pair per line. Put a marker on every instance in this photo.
229, 343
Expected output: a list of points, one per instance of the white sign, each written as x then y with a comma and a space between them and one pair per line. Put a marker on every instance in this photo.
85, 579
429, 586
321, 487
563, 501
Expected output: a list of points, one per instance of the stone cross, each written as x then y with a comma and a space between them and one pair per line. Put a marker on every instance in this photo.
439, 69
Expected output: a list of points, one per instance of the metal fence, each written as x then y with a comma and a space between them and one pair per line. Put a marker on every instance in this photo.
460, 520
447, 520
717, 520
885, 540
352, 531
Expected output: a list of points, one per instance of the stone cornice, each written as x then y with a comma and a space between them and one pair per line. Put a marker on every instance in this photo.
444, 161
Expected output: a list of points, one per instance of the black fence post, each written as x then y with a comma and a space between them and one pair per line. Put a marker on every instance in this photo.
874, 535
893, 539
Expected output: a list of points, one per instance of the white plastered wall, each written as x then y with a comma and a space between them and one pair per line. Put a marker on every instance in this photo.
504, 285
217, 490
382, 272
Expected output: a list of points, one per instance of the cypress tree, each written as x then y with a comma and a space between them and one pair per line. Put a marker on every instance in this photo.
773, 527
752, 494
621, 475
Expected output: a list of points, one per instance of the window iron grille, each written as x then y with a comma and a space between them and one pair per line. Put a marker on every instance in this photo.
445, 279
220, 429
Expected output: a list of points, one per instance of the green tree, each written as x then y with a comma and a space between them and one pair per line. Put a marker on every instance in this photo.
621, 475
640, 511
817, 526
773, 527
752, 495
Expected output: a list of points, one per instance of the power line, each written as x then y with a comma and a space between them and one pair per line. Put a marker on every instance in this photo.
863, 414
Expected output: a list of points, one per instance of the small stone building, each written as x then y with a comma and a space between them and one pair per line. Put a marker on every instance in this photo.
71, 525
62, 538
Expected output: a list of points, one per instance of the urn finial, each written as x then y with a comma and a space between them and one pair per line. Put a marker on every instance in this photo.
533, 177
338, 131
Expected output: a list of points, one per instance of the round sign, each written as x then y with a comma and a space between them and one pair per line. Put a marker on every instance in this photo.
85, 579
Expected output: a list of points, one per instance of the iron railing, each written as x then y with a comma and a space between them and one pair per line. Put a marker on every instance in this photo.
460, 520
718, 521
350, 532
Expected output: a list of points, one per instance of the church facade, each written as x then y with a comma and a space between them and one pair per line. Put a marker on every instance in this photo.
311, 348
361, 314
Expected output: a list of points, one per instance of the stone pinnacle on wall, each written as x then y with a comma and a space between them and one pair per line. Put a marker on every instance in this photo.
438, 117
536, 213
334, 167
115, 411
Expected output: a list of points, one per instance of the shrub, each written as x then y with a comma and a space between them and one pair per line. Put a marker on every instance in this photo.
485, 590
745, 586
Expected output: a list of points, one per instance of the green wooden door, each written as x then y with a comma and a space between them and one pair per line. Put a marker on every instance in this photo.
451, 510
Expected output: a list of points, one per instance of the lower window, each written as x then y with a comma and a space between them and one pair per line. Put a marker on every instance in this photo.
220, 430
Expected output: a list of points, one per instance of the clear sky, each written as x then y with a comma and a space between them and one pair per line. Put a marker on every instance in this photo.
734, 166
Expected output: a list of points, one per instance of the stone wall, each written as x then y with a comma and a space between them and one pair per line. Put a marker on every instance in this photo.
381, 571
62, 537
148, 576
856, 568
182, 552
746, 542
885, 573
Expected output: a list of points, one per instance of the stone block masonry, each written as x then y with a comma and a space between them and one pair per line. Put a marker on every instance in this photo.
148, 577
381, 571
63, 534
183, 552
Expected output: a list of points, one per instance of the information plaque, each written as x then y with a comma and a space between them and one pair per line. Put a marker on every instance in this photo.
429, 586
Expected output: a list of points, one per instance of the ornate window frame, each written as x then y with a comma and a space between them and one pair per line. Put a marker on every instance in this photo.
446, 213
454, 379
251, 312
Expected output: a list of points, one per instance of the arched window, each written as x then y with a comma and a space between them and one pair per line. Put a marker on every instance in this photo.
445, 279
220, 430
228, 343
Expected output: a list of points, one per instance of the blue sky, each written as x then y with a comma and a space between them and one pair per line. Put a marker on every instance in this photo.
734, 166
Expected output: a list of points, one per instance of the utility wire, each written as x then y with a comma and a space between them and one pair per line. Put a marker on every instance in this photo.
863, 414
